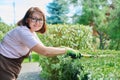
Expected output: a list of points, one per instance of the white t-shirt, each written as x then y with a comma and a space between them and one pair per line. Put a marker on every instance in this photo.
18, 42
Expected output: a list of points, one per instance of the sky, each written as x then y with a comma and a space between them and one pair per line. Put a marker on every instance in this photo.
10, 14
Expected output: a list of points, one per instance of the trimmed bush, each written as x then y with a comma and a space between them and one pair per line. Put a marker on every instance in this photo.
61, 68
74, 36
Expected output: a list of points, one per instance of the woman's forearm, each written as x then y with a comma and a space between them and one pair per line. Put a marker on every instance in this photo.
48, 51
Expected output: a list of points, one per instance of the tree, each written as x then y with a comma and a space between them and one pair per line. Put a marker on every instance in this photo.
56, 11
114, 25
93, 14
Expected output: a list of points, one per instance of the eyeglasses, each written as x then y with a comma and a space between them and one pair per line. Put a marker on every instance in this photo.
35, 20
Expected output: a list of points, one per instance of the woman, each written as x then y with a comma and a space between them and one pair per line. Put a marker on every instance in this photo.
18, 42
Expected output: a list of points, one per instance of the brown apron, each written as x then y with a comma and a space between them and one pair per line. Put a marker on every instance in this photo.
10, 68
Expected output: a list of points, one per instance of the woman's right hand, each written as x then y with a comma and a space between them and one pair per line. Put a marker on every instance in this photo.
74, 54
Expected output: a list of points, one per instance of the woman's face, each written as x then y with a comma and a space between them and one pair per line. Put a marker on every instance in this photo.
35, 21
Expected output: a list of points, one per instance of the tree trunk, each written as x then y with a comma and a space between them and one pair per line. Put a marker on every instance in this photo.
101, 40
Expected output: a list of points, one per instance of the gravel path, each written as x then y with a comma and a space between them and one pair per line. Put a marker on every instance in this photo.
30, 71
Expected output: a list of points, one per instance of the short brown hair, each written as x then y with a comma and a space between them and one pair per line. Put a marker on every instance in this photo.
29, 13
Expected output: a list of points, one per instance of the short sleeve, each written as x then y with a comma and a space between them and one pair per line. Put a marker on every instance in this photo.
27, 38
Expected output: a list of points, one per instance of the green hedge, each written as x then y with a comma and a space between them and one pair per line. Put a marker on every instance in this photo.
74, 36
4, 28
64, 68
106, 66
61, 68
